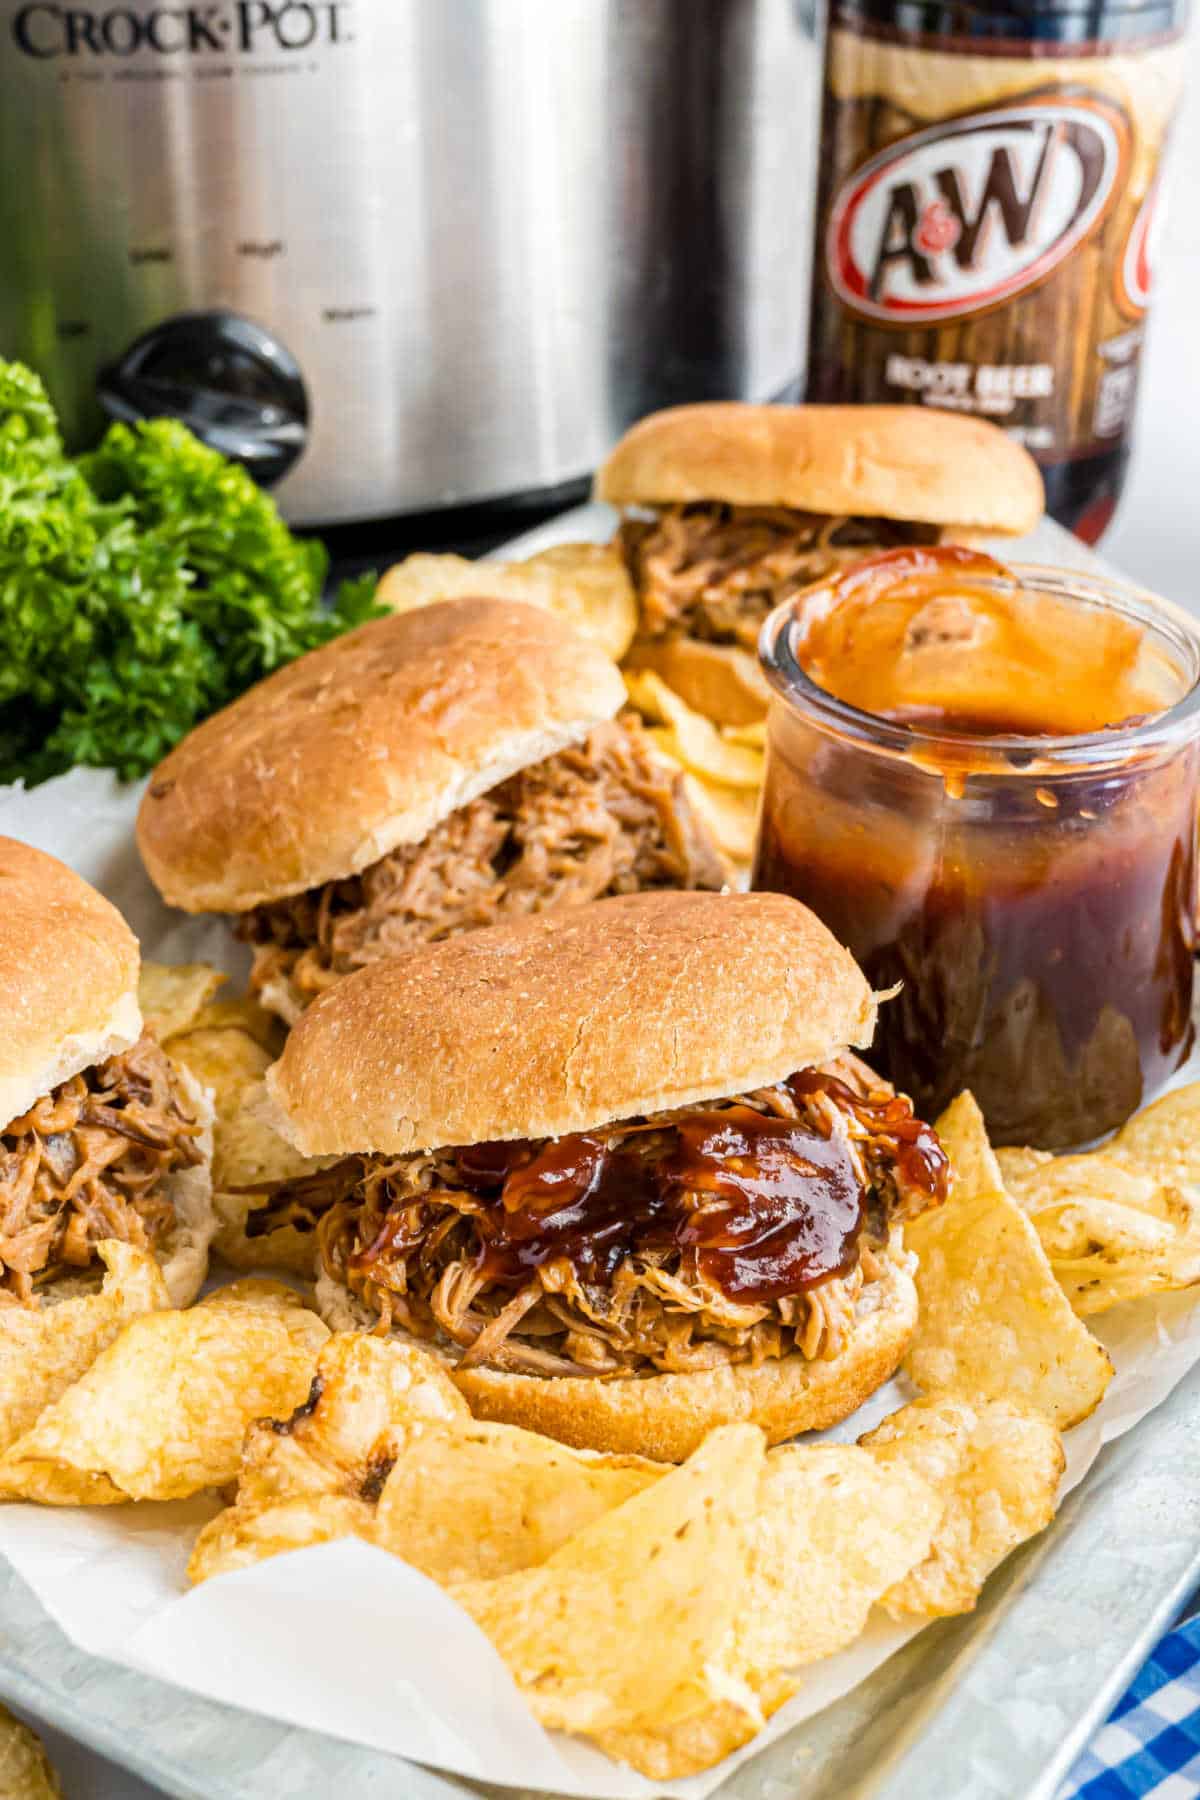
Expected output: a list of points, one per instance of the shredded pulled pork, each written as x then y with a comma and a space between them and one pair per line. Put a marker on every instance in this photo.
716, 571
90, 1161
646, 1276
605, 818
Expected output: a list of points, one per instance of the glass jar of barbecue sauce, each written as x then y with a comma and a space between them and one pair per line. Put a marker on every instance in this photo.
985, 782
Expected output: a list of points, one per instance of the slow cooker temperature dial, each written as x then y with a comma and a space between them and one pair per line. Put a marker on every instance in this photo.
227, 379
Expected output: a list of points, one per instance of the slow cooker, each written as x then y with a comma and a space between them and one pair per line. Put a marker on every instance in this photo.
398, 255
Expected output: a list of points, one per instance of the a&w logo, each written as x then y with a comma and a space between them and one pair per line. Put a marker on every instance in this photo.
961, 216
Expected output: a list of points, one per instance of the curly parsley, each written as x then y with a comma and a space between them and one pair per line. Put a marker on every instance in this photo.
142, 587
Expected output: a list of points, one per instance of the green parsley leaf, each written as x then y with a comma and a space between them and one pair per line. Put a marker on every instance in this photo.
142, 587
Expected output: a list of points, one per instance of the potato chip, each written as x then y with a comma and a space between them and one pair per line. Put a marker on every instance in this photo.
588, 585
829, 1535
830, 1532
44, 1349
162, 1411
252, 1153
1112, 1230
994, 1323
691, 739
340, 1444
225, 1059
370, 1390
707, 1737
456, 1499
995, 1466
616, 1630
1017, 1164
170, 995
474, 1501
241, 1012
274, 1300
1164, 1138
239, 1539
754, 735
731, 814
25, 1769
247, 1149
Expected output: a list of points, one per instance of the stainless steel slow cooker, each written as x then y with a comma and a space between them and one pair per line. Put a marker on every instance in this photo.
405, 254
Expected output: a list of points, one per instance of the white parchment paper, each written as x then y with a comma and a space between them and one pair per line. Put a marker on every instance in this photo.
343, 1638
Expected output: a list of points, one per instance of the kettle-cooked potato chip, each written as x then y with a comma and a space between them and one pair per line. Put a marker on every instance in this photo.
370, 1390
223, 1058
994, 1323
618, 1628
706, 1737
162, 1412
171, 994
754, 734
44, 1349
1164, 1138
663, 1612
995, 1468
723, 766
273, 1300
731, 814
587, 585
339, 1445
239, 1538
26, 1772
1113, 1231
473, 1501
228, 1045
457, 1499
241, 1012
247, 1150
830, 1531
691, 739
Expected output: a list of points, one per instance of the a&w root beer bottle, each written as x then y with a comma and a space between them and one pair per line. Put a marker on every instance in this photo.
988, 211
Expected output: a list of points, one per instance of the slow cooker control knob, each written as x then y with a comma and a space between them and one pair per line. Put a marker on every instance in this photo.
227, 379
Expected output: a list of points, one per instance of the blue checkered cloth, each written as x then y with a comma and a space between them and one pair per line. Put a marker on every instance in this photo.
1150, 1745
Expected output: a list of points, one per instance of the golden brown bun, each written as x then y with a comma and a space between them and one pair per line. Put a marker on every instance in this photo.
68, 977
888, 462
363, 745
718, 680
668, 1416
564, 1020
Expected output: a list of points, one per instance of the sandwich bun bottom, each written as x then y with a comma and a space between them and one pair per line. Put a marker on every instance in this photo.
667, 1416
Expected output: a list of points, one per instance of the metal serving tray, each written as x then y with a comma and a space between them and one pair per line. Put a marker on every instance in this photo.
990, 1706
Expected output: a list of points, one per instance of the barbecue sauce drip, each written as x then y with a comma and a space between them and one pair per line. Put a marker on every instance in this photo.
769, 1206
920, 1163
780, 1208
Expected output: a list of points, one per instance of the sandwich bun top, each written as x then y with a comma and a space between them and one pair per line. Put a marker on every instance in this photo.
566, 1020
68, 977
893, 462
364, 745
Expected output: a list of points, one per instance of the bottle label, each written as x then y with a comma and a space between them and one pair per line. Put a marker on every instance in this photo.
987, 226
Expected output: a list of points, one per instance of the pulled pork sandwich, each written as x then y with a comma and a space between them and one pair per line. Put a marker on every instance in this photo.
422, 776
734, 508
104, 1137
615, 1167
